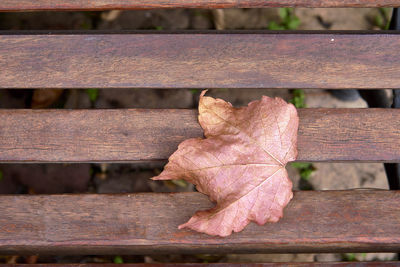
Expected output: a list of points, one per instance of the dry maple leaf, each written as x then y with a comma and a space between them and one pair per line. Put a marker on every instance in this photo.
240, 164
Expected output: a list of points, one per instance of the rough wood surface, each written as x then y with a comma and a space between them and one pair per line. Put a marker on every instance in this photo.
275, 264
314, 221
134, 134
252, 60
18, 5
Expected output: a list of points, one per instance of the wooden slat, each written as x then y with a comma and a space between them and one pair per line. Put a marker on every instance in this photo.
275, 264
18, 5
314, 221
203, 60
134, 134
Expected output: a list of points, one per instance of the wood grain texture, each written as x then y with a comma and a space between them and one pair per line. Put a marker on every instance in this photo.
252, 60
18, 5
275, 264
141, 223
134, 134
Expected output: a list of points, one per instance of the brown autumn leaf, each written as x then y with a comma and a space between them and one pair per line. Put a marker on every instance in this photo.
240, 164
44, 98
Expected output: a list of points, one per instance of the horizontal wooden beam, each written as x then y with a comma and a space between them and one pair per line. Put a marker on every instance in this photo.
135, 134
314, 221
275, 264
20, 5
203, 60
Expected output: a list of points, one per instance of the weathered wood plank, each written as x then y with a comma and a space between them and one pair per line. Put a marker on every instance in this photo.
314, 221
275, 264
134, 134
18, 5
203, 60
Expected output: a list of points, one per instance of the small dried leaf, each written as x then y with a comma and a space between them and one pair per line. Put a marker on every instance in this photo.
240, 164
44, 98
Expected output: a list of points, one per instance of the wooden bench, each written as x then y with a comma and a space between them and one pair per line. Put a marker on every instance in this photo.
141, 223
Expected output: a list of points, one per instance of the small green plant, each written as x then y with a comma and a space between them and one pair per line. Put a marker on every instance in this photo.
93, 94
305, 169
382, 20
118, 260
1, 176
298, 99
349, 257
159, 28
289, 21
194, 91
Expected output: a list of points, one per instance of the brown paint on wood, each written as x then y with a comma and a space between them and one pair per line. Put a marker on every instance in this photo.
257, 60
141, 223
134, 134
19, 5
